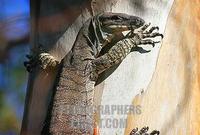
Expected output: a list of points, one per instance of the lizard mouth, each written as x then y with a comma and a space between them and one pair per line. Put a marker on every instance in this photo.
120, 28
117, 28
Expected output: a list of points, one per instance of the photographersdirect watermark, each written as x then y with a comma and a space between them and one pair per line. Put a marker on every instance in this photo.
119, 109
104, 109
108, 115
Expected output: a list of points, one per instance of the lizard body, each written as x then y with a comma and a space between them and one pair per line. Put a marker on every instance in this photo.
82, 65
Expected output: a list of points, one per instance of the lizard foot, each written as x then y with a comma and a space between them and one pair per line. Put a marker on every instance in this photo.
143, 131
40, 58
143, 35
144, 32
47, 60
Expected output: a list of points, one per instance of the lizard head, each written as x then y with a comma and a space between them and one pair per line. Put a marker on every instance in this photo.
118, 22
111, 25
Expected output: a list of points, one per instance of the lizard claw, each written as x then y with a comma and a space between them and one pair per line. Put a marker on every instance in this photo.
47, 60
134, 131
142, 32
151, 30
29, 56
144, 36
143, 131
145, 26
27, 65
146, 42
30, 63
152, 35
44, 60
155, 132
147, 32
141, 29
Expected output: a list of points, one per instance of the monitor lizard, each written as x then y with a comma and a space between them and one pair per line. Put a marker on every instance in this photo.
80, 68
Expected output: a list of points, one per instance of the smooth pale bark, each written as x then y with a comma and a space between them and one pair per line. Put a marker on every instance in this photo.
135, 72
131, 77
171, 101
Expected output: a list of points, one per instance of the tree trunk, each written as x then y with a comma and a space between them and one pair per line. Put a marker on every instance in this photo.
171, 101
55, 25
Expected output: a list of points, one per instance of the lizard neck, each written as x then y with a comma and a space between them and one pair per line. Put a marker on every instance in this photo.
90, 37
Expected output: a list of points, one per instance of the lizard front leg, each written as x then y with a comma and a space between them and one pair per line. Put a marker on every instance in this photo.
47, 60
122, 48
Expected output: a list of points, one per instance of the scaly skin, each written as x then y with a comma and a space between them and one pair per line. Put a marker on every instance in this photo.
75, 88
82, 65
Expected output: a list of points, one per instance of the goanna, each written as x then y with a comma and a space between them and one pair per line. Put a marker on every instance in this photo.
86, 60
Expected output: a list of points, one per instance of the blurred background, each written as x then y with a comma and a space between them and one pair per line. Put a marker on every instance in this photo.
14, 45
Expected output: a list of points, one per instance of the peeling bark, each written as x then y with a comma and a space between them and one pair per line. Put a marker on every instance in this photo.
171, 101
